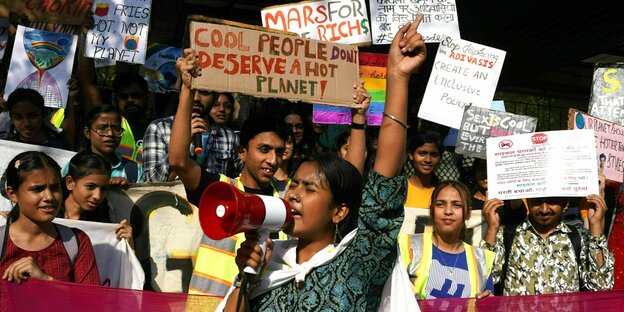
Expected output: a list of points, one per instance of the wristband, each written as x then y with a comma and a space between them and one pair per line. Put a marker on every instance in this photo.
358, 126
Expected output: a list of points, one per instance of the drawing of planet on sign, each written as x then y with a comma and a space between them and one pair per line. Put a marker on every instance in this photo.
159, 69
45, 51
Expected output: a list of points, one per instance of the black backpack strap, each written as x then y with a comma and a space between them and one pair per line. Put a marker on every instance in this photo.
509, 232
4, 235
575, 238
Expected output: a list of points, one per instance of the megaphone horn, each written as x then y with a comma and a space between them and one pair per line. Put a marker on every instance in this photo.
225, 211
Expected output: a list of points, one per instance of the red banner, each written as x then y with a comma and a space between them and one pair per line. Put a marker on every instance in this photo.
36, 295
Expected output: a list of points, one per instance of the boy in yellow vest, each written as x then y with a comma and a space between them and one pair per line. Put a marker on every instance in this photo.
262, 145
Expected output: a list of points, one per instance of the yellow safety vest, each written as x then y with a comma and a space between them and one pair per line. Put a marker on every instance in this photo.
128, 148
215, 268
416, 254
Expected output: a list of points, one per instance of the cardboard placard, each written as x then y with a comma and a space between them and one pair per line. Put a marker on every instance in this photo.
544, 164
120, 32
607, 95
56, 11
373, 72
464, 73
479, 123
325, 20
42, 61
439, 19
268, 64
159, 69
609, 142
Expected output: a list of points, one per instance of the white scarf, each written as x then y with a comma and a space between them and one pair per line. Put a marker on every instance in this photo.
283, 266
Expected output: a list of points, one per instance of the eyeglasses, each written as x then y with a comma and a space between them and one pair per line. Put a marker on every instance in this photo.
127, 96
102, 130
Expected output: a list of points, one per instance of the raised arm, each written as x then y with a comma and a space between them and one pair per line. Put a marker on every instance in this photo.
356, 154
188, 170
407, 53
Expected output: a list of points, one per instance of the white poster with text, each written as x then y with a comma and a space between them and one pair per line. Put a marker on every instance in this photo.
544, 164
464, 74
120, 32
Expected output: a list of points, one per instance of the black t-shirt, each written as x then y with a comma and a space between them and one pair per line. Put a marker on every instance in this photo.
208, 178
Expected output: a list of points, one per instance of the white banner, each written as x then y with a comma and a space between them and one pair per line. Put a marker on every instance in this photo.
545, 164
116, 262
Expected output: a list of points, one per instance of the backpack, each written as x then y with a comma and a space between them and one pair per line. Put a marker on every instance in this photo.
68, 237
509, 233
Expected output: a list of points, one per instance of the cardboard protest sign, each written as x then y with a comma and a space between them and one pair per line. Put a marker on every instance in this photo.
439, 19
607, 95
479, 123
373, 72
269, 64
609, 143
335, 21
159, 69
120, 31
464, 73
56, 11
417, 220
42, 61
545, 164
4, 35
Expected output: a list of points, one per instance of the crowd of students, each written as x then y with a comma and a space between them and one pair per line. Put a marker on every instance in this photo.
347, 202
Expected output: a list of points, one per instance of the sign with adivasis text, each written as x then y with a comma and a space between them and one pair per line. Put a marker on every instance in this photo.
268, 64
464, 74
609, 143
325, 20
120, 32
607, 95
543, 164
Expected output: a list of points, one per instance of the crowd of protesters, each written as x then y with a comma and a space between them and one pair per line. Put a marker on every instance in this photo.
348, 197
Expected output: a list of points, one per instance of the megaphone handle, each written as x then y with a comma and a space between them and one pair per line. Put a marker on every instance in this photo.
264, 234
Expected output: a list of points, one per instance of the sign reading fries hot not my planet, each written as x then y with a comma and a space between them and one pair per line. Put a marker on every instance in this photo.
268, 64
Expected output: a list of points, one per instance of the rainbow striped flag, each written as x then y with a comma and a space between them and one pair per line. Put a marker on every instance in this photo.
373, 72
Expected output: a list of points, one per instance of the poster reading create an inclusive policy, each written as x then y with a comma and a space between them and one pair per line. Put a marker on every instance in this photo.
609, 138
269, 64
120, 32
439, 19
543, 164
336, 21
607, 95
464, 74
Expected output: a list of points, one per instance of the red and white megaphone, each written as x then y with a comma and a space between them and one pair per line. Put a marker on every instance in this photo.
225, 211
